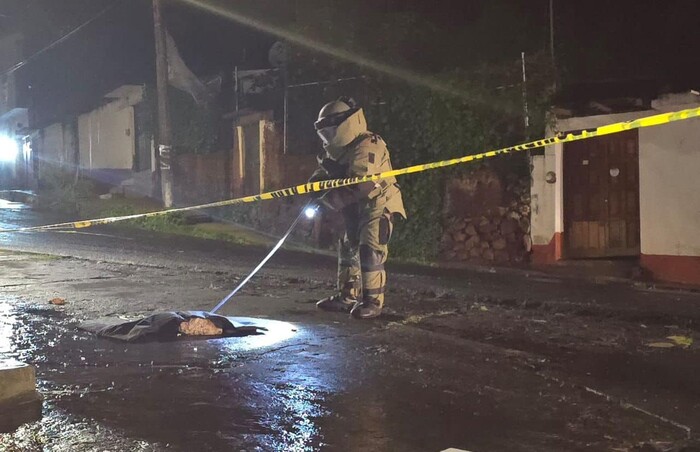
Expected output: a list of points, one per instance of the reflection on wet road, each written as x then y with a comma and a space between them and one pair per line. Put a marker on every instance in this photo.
191, 394
7, 328
12, 215
477, 361
5, 204
276, 332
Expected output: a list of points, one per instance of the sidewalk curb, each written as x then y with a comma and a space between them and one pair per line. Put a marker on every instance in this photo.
19, 401
21, 196
556, 273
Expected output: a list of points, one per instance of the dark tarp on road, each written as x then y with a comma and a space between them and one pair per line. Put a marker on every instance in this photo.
166, 326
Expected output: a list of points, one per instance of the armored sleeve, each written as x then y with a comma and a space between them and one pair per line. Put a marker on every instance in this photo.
365, 162
361, 163
319, 175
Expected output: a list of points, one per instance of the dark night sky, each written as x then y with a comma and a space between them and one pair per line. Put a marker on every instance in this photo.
596, 40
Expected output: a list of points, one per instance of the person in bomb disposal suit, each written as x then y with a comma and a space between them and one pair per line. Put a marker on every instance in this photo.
350, 150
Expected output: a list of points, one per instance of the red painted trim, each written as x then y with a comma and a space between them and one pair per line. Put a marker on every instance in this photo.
558, 246
678, 269
549, 253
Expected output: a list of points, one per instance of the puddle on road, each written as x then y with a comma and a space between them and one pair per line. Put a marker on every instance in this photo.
9, 214
58, 432
190, 395
5, 204
296, 420
7, 327
20, 333
276, 332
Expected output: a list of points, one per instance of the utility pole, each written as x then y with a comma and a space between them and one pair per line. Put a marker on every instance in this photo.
164, 131
551, 41
526, 112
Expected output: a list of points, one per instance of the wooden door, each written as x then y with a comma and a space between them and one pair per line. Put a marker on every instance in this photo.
251, 151
601, 196
248, 156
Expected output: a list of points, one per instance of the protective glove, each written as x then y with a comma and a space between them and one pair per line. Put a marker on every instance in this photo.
339, 198
318, 176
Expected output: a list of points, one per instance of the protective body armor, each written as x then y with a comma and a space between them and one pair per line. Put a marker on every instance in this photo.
365, 153
350, 150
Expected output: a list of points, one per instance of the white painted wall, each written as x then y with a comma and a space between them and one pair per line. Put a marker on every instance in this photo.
107, 134
669, 175
669, 180
547, 205
57, 145
542, 195
106, 137
127, 95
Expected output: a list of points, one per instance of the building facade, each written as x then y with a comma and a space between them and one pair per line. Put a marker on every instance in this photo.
629, 195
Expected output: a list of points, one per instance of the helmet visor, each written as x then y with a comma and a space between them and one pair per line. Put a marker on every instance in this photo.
334, 120
327, 134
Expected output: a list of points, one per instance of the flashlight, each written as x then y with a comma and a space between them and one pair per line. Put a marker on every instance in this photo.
310, 212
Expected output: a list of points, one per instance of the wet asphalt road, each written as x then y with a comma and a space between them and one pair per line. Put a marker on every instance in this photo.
125, 245
478, 361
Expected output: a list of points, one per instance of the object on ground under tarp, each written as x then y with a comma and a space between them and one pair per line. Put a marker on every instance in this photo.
200, 327
167, 326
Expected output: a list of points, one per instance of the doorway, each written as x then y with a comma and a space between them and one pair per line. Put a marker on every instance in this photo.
601, 197
249, 155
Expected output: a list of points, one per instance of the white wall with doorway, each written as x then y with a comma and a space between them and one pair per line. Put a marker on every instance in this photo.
669, 164
250, 159
548, 198
106, 137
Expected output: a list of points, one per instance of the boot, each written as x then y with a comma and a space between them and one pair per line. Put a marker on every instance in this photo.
367, 309
337, 303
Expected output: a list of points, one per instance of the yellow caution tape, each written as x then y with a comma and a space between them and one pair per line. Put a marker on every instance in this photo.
649, 121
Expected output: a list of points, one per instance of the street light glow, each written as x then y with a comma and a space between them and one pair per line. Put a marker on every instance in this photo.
8, 149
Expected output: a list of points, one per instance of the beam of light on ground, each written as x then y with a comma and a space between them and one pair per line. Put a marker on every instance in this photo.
332, 51
276, 332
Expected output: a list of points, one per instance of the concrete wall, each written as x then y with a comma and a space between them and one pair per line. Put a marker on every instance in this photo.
669, 201
106, 137
670, 195
669, 167
542, 198
211, 177
57, 145
282, 170
201, 178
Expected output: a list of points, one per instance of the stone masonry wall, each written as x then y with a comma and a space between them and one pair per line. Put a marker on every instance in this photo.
486, 218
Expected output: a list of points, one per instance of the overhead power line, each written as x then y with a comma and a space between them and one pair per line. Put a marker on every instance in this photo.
60, 40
